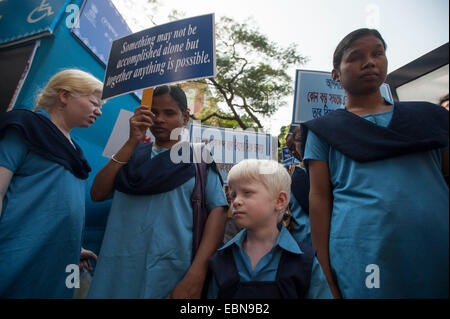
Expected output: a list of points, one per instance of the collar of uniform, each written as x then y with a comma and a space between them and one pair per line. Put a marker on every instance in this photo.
238, 239
284, 241
287, 242
342, 106
158, 149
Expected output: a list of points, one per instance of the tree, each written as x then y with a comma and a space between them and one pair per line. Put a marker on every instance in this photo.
252, 77
284, 130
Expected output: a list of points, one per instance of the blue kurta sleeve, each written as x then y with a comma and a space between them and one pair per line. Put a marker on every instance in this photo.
12, 151
318, 288
214, 193
316, 148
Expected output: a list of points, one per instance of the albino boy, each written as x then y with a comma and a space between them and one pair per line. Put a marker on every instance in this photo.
263, 261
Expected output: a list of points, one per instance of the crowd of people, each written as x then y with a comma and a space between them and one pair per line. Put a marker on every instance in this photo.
364, 214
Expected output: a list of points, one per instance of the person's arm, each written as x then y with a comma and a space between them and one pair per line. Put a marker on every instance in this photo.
103, 184
5, 179
190, 287
320, 207
445, 166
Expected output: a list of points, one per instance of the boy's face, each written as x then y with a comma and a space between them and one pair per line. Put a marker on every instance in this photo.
252, 205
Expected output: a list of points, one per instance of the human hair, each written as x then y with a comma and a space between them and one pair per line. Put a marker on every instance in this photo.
347, 41
297, 133
175, 92
271, 174
74, 81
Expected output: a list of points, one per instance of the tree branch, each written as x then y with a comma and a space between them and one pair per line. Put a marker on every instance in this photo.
246, 108
229, 101
215, 114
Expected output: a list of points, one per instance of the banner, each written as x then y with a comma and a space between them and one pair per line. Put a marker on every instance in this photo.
229, 146
287, 158
316, 94
174, 52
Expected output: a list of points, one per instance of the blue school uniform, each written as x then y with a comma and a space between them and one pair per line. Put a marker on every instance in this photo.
301, 230
147, 246
41, 223
266, 269
389, 224
299, 206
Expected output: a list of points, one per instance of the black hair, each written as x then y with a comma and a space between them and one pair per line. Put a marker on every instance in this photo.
347, 41
175, 92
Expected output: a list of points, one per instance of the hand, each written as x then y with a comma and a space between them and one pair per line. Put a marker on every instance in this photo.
85, 264
188, 288
140, 122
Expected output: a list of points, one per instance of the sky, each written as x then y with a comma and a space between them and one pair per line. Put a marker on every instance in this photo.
411, 28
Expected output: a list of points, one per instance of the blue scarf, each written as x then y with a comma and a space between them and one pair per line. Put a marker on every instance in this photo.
414, 127
43, 138
147, 175
300, 188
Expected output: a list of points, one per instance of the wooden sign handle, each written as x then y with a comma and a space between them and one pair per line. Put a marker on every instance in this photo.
147, 98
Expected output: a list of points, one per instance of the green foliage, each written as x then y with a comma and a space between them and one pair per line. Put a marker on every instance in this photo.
284, 130
211, 115
251, 78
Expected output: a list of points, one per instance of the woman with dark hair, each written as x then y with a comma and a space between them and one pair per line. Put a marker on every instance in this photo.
147, 249
378, 198
298, 202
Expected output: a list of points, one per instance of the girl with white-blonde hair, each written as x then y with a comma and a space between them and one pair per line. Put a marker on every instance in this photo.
43, 175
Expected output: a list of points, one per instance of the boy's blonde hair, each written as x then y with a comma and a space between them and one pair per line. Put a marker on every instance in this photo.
271, 174
74, 81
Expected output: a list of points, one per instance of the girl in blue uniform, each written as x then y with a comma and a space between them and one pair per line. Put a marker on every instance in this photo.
299, 201
42, 188
147, 249
378, 199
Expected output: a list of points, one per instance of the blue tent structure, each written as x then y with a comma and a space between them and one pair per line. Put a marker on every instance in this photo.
36, 41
